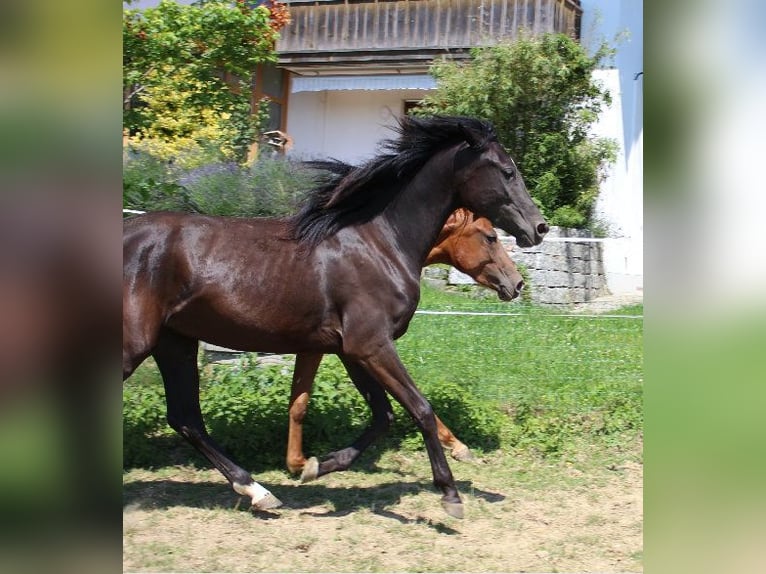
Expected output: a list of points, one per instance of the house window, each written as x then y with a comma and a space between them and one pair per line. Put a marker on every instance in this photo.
270, 82
410, 106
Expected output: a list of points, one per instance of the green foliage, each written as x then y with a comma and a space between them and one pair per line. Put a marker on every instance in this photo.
540, 95
143, 416
269, 186
186, 77
480, 423
526, 293
147, 184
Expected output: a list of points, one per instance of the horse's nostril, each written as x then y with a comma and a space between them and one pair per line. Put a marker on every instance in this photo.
520, 286
542, 228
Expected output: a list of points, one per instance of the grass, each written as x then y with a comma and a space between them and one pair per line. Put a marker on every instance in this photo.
565, 375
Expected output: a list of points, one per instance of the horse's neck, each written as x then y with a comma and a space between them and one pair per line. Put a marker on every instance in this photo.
420, 211
450, 234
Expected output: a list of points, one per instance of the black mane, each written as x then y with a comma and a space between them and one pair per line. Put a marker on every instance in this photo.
351, 195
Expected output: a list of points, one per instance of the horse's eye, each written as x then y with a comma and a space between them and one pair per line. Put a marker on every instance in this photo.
491, 238
509, 173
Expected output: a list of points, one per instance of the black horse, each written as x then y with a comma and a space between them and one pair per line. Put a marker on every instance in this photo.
341, 276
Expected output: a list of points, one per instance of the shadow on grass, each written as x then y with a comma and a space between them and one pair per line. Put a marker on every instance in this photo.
172, 450
305, 498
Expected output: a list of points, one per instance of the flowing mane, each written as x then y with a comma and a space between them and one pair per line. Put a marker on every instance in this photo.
351, 195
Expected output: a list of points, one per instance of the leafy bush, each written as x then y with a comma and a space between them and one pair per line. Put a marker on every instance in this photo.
269, 186
526, 293
186, 77
476, 422
245, 409
540, 95
148, 184
143, 418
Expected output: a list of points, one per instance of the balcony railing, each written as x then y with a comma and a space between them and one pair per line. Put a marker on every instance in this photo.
332, 26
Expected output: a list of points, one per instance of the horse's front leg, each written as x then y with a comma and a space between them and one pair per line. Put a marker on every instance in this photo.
382, 417
384, 365
306, 366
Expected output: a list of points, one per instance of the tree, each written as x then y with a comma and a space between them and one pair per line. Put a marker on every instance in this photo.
187, 70
540, 94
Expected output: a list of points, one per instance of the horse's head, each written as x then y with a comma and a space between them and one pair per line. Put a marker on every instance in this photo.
490, 185
470, 244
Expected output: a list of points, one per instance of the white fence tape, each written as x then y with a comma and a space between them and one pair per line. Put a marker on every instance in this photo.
575, 239
546, 315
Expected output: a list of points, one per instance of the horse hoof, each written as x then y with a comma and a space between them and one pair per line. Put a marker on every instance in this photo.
454, 509
310, 470
463, 455
267, 502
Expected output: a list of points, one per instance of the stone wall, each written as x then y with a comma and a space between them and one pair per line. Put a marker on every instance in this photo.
567, 267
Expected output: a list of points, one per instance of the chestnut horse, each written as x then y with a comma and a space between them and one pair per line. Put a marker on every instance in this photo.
342, 276
469, 244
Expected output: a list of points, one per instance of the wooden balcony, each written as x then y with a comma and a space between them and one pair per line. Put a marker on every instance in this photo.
410, 33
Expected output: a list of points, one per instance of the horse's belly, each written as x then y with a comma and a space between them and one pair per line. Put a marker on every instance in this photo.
271, 332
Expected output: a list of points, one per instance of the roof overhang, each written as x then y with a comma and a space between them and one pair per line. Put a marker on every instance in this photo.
377, 62
323, 83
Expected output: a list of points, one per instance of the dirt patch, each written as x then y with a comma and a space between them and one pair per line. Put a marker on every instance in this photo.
608, 303
387, 521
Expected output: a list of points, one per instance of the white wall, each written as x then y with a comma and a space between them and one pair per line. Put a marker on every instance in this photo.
344, 124
620, 203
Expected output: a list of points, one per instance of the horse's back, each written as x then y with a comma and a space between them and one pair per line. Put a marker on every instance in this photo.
236, 282
188, 233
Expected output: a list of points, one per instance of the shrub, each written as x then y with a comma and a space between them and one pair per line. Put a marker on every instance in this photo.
526, 293
541, 97
186, 77
148, 184
267, 187
476, 422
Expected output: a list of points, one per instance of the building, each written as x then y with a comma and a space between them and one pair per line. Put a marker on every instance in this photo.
354, 66
620, 201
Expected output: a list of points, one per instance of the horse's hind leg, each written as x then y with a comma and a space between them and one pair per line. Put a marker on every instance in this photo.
139, 335
382, 417
176, 357
306, 365
458, 450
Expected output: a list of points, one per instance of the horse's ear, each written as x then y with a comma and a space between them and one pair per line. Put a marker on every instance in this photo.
458, 219
452, 221
474, 140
